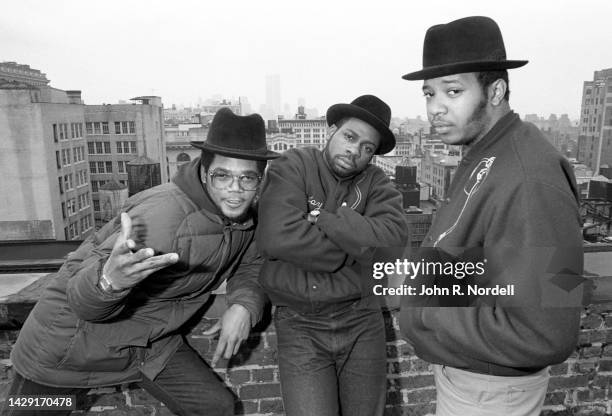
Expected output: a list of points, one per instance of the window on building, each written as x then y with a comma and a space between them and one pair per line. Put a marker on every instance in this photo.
105, 127
109, 167
121, 166
61, 189
96, 205
97, 127
92, 167
123, 182
55, 133
99, 147
107, 148
117, 127
101, 167
124, 127
133, 147
91, 148
183, 157
119, 147
132, 126
57, 159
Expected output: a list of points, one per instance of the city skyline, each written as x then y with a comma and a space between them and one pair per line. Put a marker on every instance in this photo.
325, 53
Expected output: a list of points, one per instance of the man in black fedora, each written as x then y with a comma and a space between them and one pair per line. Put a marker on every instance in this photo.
320, 212
512, 207
117, 310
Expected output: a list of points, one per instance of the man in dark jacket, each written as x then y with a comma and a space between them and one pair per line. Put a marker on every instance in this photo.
512, 211
117, 309
320, 213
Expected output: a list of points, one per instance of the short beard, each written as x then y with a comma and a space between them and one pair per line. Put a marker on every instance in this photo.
330, 162
480, 119
244, 217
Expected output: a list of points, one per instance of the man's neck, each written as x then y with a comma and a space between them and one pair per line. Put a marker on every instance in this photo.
497, 114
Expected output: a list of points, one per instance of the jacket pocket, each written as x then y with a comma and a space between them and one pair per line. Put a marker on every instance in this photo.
104, 347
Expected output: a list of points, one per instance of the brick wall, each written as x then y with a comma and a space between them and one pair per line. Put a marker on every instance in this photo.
580, 386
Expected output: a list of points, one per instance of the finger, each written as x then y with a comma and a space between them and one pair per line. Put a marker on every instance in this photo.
237, 347
155, 263
213, 329
218, 351
141, 255
230, 346
126, 225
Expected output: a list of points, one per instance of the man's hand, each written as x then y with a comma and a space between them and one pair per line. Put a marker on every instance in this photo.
125, 269
234, 326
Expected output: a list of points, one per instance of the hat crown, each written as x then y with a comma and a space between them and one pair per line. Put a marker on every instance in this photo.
375, 106
237, 132
243, 137
468, 39
471, 44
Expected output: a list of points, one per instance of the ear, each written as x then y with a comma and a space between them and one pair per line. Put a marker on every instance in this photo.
331, 130
497, 91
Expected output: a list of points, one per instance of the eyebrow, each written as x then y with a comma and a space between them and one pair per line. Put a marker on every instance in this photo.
243, 172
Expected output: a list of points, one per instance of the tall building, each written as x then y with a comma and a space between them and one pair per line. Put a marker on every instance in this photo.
45, 189
595, 136
57, 153
273, 96
118, 134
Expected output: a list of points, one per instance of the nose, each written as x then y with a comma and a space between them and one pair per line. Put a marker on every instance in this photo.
353, 149
435, 107
235, 185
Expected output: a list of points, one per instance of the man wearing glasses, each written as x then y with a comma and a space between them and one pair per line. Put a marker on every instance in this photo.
117, 311
320, 213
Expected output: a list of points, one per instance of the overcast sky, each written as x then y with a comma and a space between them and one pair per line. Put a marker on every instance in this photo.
325, 51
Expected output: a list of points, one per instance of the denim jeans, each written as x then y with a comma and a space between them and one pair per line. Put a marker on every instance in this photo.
187, 386
332, 364
461, 392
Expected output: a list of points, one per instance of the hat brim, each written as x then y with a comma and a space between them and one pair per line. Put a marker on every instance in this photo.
339, 111
462, 67
236, 153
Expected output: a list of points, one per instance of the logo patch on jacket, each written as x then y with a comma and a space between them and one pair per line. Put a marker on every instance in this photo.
313, 203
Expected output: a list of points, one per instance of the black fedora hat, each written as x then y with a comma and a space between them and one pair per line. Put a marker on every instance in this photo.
241, 137
373, 111
471, 44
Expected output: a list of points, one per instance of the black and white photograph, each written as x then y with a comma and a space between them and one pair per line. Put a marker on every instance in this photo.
322, 208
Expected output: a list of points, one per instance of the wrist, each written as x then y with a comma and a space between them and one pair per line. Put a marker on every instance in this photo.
107, 285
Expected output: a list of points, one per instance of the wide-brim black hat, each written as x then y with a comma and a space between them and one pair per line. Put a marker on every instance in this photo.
241, 137
471, 44
373, 111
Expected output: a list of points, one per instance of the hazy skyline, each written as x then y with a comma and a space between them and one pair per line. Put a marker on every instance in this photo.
325, 52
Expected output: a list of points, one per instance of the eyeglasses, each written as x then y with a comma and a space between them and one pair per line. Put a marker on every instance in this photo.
224, 180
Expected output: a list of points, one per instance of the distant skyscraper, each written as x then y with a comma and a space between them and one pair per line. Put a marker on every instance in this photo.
273, 94
595, 139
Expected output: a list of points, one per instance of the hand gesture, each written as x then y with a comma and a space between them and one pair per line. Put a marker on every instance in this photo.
124, 268
234, 326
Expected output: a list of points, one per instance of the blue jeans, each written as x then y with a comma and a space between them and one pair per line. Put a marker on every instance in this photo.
187, 386
333, 364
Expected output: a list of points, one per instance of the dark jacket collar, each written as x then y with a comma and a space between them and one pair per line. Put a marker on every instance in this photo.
493, 135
